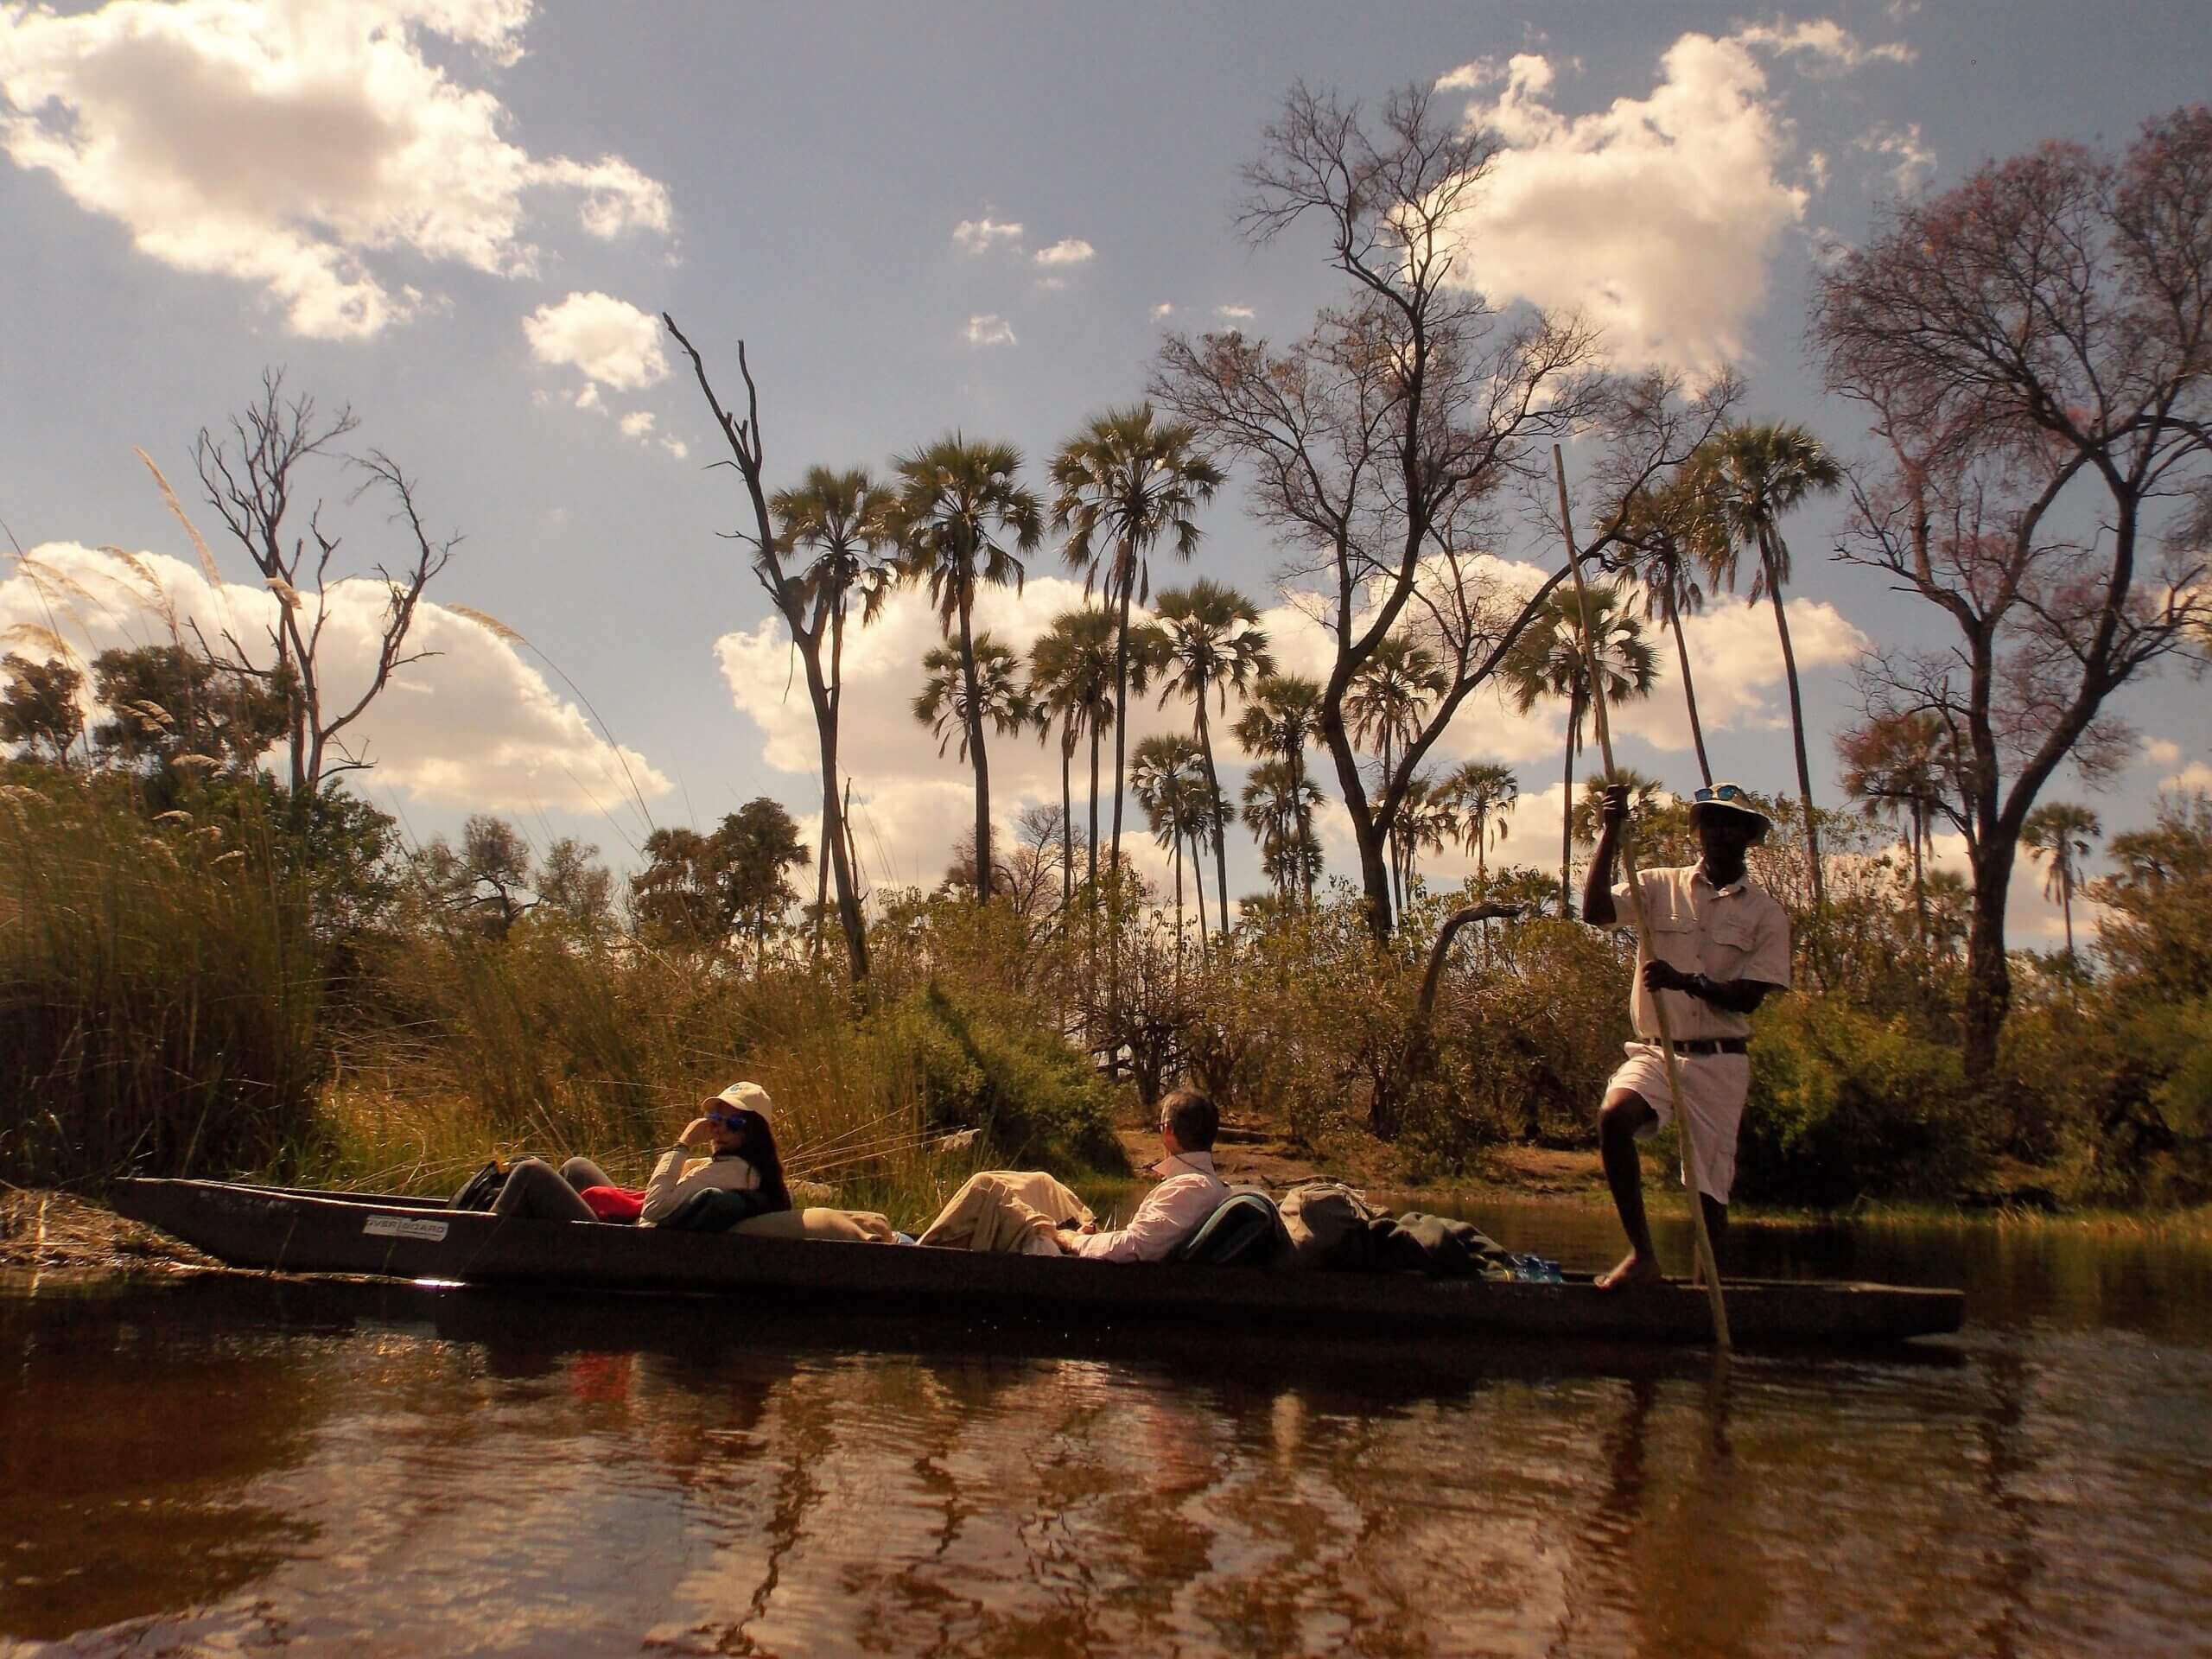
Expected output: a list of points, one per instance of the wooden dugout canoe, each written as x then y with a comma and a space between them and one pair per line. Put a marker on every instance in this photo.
291, 1230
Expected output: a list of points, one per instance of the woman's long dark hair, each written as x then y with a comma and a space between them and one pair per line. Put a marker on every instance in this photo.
757, 1146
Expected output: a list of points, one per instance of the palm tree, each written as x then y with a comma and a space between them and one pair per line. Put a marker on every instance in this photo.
1427, 817
1280, 723
1126, 483
1484, 793
1384, 706
1548, 660
843, 520
1279, 812
946, 705
1071, 668
1750, 477
2060, 833
1211, 644
958, 507
1901, 766
1590, 808
1659, 528
1167, 777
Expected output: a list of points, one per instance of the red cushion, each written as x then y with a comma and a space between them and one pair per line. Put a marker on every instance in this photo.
614, 1203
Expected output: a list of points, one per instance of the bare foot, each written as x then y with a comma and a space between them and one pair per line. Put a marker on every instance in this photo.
1632, 1269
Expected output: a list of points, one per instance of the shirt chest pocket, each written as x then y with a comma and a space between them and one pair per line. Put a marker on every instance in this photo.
1730, 939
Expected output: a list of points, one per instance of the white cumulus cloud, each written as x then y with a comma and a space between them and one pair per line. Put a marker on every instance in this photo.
988, 329
1072, 250
293, 144
1236, 313
613, 342
473, 726
1657, 216
637, 423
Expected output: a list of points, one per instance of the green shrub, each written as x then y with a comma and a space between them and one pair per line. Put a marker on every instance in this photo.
1003, 1071
1844, 1106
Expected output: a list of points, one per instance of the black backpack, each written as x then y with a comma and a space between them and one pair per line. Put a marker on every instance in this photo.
481, 1190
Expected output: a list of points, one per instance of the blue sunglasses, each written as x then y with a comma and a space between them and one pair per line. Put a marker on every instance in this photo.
1723, 792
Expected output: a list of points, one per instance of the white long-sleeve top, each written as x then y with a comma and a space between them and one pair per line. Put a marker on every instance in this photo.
677, 1176
1171, 1212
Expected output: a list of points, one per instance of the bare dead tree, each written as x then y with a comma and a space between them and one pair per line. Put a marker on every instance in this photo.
808, 624
1382, 446
2034, 349
250, 477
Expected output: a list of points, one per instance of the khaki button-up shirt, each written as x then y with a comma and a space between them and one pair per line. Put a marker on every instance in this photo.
1737, 931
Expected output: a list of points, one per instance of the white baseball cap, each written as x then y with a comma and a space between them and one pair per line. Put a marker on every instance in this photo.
743, 1097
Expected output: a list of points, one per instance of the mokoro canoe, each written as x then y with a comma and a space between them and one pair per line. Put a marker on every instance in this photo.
291, 1231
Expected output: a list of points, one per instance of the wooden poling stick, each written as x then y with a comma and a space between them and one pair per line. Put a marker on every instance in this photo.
1711, 1266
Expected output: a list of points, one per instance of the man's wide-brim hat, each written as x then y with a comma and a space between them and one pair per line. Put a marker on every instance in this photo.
742, 1098
1734, 799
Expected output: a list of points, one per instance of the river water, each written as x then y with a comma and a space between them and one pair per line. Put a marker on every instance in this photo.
228, 1462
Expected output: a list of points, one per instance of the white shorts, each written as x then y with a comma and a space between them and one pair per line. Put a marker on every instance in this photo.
1715, 1085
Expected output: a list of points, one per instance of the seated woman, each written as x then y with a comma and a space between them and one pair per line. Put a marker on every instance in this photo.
727, 1148
1031, 1214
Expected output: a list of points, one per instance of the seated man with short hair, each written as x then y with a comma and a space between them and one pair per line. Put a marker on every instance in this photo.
1034, 1215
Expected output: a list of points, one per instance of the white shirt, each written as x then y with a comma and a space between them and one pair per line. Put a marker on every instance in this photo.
675, 1179
1171, 1212
1737, 931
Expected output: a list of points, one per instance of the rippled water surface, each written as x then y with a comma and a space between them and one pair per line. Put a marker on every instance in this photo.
229, 1462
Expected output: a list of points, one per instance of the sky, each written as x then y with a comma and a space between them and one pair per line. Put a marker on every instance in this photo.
463, 218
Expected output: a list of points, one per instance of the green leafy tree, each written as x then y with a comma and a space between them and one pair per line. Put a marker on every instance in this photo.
165, 703
1548, 661
1283, 721
756, 849
1124, 485
1212, 645
2062, 833
39, 710
960, 521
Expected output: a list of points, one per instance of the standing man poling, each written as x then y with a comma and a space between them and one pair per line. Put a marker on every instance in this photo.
1715, 944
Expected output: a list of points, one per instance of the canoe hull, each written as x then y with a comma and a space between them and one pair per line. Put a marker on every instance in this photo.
292, 1231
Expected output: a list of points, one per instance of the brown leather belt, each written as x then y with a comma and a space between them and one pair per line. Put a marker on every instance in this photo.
1713, 1045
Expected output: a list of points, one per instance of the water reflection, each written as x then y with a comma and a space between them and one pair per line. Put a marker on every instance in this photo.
231, 1461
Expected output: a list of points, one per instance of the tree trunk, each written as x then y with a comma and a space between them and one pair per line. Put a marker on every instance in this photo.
1198, 887
837, 844
1989, 976
1094, 808
1067, 824
1121, 717
1797, 731
1566, 814
1917, 830
975, 754
1689, 695
1214, 817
